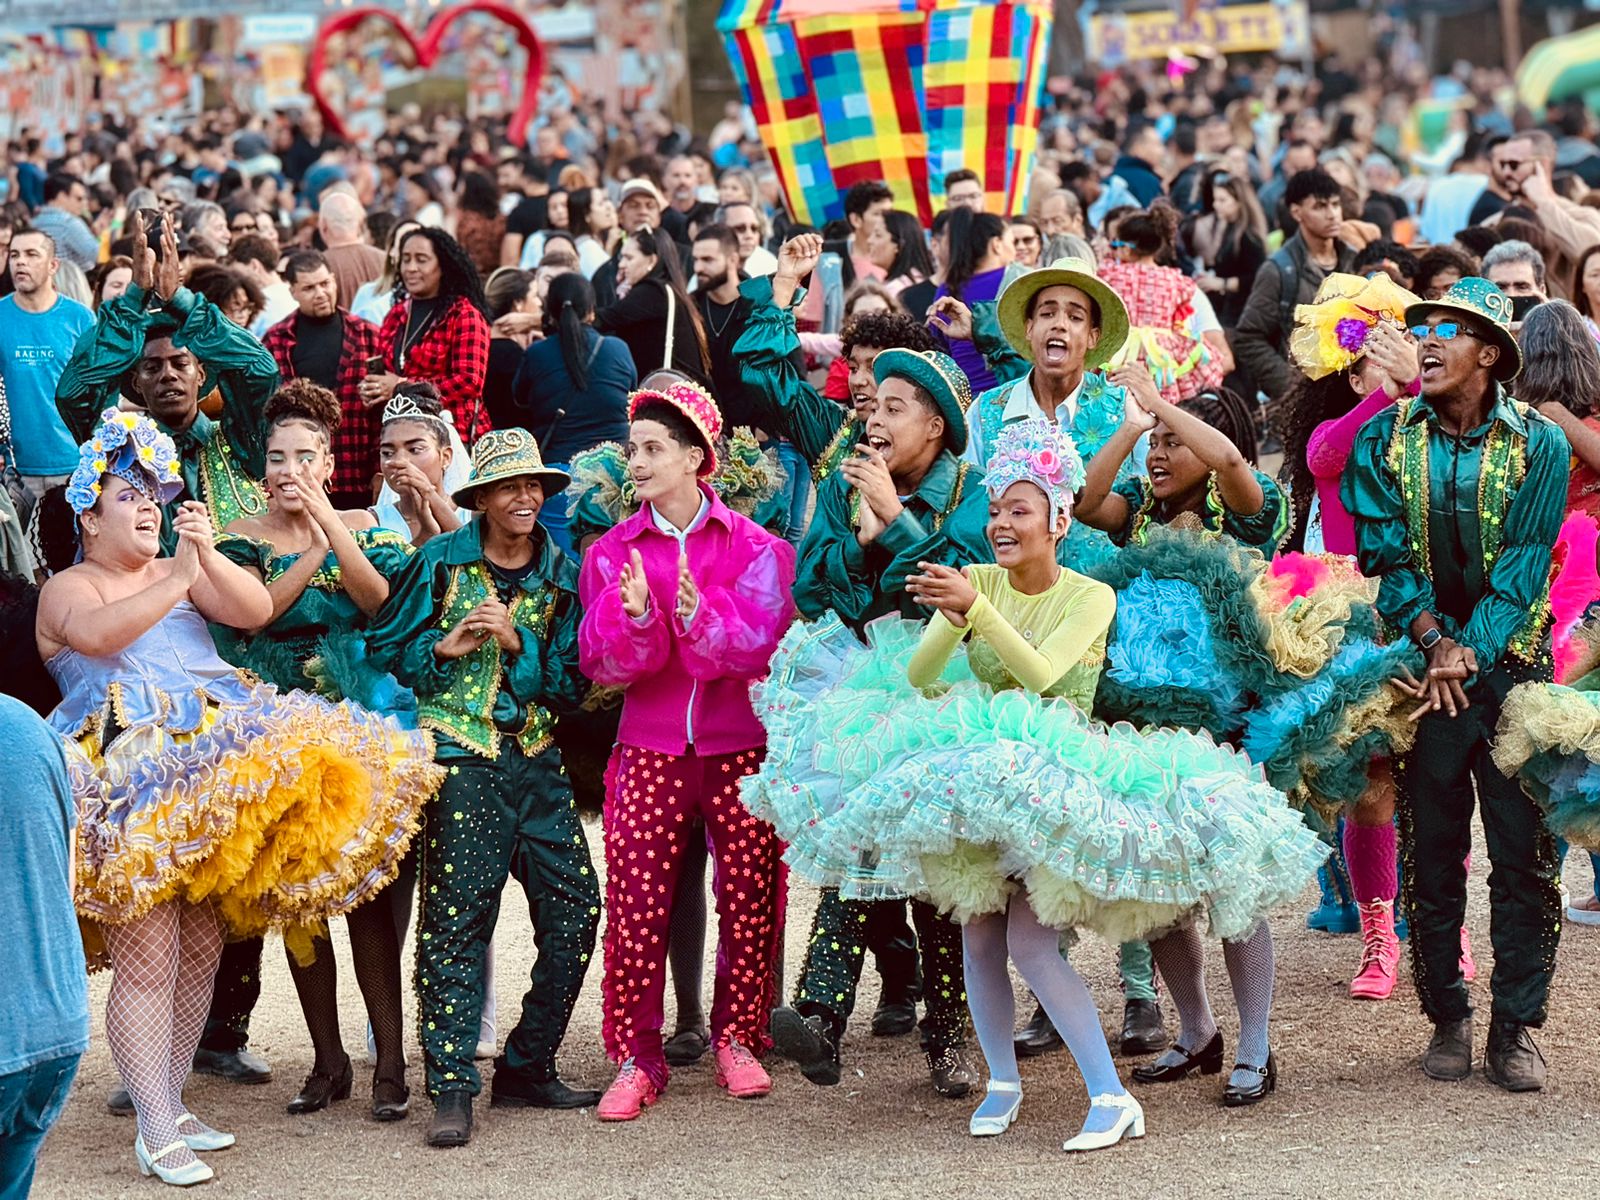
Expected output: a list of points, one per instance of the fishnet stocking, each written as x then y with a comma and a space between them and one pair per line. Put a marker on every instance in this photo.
1251, 967
1181, 958
199, 951
152, 1034
375, 950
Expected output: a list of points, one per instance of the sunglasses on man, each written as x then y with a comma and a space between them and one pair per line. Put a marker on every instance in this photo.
1445, 331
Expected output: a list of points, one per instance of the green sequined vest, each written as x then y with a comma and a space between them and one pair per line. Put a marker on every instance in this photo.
229, 493
465, 711
1505, 463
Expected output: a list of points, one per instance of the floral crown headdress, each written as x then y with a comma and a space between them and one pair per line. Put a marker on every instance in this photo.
1330, 333
1041, 453
132, 447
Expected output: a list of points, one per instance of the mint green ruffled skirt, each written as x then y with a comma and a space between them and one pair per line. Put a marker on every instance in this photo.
964, 795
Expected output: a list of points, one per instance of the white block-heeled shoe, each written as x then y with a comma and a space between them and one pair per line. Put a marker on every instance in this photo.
994, 1126
1129, 1124
187, 1175
209, 1139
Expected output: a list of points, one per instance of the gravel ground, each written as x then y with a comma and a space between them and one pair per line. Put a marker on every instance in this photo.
1352, 1110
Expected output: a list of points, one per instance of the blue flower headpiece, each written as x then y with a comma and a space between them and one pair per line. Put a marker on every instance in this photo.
131, 447
1042, 453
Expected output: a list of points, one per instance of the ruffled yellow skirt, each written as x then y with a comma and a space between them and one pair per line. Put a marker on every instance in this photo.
283, 811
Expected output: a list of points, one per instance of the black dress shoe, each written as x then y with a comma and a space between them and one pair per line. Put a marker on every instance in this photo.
1234, 1096
515, 1089
686, 1047
236, 1066
812, 1041
952, 1072
391, 1098
1038, 1036
119, 1102
452, 1121
894, 1017
321, 1089
1207, 1060
1143, 1030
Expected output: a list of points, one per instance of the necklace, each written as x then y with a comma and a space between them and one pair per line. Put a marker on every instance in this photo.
718, 330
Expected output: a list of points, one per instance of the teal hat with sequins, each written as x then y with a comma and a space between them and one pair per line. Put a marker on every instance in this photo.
938, 375
1490, 310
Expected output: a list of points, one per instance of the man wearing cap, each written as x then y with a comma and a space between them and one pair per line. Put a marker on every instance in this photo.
483, 626
901, 500
1045, 338
163, 346
1458, 496
639, 208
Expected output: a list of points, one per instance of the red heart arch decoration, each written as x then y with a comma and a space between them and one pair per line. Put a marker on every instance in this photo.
425, 50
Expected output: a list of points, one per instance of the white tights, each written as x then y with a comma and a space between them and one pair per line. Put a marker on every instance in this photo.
163, 968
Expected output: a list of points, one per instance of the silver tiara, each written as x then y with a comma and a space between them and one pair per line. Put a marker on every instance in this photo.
405, 408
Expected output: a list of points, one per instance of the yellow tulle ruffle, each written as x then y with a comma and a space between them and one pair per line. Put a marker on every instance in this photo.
1537, 717
1304, 632
283, 812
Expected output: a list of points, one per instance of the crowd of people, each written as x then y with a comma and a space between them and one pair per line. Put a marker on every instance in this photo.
373, 512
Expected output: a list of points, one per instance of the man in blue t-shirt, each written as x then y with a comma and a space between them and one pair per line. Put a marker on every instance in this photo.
38, 329
44, 1023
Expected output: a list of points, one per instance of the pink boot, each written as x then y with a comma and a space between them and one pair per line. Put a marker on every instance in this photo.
1380, 953
740, 1073
629, 1094
1469, 969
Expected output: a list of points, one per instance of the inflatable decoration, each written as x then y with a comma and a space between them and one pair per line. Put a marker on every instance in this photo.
426, 50
898, 90
1561, 68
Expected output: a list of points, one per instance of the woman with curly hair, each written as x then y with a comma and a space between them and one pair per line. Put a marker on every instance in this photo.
328, 573
1164, 305
438, 330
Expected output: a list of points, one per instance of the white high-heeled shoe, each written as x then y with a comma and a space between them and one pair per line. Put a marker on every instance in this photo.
209, 1139
994, 1126
187, 1175
1129, 1124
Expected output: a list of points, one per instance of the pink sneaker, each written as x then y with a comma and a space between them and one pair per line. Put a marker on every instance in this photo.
1469, 969
630, 1093
740, 1073
1380, 953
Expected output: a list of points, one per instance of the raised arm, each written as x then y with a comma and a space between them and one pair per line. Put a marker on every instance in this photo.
734, 629
1098, 505
764, 352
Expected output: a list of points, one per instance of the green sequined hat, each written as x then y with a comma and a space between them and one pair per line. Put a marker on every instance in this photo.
938, 375
1490, 310
506, 454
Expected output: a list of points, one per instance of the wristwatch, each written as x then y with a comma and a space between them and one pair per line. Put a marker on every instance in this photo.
1430, 639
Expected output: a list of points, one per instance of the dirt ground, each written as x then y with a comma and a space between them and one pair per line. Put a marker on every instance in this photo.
1353, 1114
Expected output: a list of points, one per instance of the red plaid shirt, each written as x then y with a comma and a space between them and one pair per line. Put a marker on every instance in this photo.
355, 442
453, 355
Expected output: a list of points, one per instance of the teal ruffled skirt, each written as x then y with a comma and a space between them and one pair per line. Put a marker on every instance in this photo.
965, 795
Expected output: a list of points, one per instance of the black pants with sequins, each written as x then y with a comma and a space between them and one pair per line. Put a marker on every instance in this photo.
233, 997
494, 818
1435, 783
840, 936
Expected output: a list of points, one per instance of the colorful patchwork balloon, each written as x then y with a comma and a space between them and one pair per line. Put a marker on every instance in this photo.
898, 90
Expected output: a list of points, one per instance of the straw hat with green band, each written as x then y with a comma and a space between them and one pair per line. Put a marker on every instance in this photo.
939, 376
1012, 309
508, 454
1489, 310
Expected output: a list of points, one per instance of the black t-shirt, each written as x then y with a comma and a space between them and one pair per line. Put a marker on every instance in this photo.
318, 346
1488, 204
529, 216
